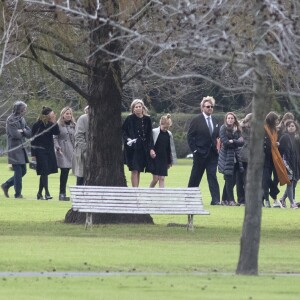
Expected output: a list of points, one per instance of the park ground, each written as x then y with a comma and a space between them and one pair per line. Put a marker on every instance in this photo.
41, 257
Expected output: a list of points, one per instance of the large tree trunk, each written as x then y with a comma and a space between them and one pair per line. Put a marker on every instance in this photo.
249, 250
105, 160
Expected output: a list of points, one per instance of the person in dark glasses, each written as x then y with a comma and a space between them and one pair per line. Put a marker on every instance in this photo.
202, 136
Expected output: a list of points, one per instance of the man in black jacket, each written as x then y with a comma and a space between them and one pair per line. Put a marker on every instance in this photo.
202, 139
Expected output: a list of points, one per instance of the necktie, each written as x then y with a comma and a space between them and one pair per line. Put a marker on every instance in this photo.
209, 126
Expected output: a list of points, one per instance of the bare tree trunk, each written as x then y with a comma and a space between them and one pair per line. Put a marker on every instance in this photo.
104, 156
248, 260
249, 250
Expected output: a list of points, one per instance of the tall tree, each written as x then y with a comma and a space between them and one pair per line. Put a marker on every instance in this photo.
256, 41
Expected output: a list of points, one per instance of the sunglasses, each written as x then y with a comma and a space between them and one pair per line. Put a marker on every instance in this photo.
209, 106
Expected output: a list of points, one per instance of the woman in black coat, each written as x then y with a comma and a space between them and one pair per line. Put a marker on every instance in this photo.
138, 142
229, 162
288, 147
42, 149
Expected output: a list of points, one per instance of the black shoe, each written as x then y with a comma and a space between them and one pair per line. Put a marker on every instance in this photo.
39, 196
63, 197
5, 190
48, 197
215, 203
19, 197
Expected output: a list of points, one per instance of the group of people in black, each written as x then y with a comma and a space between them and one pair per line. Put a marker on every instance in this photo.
226, 148
52, 147
215, 147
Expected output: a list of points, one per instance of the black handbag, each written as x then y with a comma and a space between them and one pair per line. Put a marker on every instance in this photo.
32, 165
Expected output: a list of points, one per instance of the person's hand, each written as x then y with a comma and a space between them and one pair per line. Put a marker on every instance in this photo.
130, 142
33, 158
20, 130
152, 153
230, 141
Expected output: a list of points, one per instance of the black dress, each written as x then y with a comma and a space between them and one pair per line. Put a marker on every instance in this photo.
137, 156
162, 149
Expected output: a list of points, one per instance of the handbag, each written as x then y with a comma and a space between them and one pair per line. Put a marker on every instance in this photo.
288, 169
32, 165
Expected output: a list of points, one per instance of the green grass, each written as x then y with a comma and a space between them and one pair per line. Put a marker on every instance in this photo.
33, 237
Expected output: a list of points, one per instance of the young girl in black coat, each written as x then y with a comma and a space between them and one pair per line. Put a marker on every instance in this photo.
289, 147
165, 155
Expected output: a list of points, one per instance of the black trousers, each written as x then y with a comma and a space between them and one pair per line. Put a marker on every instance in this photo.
240, 182
64, 174
208, 164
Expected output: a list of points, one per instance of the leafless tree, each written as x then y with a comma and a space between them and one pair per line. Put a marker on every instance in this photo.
256, 41
8, 32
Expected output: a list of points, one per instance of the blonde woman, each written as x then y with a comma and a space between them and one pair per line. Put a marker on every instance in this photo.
165, 154
138, 142
64, 148
42, 149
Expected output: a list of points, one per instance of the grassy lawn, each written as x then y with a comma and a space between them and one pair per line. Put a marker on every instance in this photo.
151, 261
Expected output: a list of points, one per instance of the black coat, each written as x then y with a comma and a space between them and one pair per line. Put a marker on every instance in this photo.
140, 150
288, 150
42, 147
229, 152
199, 137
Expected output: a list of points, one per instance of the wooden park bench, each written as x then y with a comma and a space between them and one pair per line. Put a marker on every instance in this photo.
128, 200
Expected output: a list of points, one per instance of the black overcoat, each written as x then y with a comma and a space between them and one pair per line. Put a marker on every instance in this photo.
140, 150
229, 152
42, 147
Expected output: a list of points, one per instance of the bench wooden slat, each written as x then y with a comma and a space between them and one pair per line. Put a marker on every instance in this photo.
143, 212
126, 200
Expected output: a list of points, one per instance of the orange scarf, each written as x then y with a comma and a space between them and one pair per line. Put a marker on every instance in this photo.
277, 159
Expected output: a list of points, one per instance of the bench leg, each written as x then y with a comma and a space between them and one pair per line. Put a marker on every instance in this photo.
88, 220
190, 225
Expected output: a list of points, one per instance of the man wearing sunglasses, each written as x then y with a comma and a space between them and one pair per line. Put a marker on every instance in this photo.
202, 139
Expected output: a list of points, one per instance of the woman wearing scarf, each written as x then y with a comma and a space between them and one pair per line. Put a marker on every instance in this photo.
273, 164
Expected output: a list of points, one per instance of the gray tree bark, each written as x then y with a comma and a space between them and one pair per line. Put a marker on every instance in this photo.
250, 239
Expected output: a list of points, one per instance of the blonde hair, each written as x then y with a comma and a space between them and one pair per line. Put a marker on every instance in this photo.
44, 116
246, 121
138, 101
166, 120
61, 116
209, 99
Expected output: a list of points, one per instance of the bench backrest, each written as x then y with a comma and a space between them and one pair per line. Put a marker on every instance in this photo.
137, 200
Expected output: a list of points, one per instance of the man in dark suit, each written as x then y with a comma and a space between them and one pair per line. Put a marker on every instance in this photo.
202, 139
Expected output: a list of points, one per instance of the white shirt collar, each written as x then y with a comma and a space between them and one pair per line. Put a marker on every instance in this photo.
206, 116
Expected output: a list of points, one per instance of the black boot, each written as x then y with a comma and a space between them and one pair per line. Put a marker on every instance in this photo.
39, 196
63, 197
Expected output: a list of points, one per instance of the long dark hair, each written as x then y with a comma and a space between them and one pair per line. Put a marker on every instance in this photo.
297, 132
235, 125
271, 120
